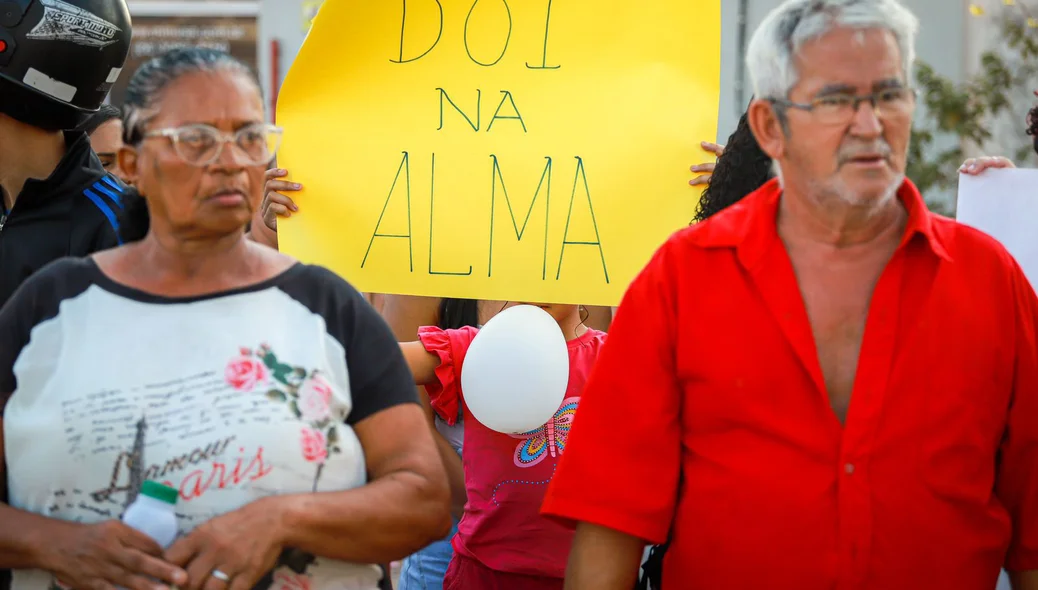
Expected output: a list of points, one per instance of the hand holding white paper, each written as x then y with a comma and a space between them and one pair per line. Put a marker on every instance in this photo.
516, 371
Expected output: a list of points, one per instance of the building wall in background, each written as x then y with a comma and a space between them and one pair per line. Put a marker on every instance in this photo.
282, 28
161, 25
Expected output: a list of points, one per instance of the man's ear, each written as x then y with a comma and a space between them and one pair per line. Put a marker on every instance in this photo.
767, 128
126, 159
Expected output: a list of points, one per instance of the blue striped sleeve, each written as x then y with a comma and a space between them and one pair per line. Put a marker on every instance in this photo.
107, 211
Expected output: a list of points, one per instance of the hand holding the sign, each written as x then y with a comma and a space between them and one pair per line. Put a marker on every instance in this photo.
275, 204
706, 170
975, 166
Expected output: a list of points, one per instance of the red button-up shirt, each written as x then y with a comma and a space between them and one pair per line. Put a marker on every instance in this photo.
707, 414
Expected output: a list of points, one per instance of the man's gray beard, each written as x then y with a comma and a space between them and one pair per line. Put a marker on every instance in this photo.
848, 196
824, 192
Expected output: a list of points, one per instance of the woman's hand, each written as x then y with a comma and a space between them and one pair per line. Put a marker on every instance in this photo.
242, 546
706, 170
110, 555
975, 166
275, 204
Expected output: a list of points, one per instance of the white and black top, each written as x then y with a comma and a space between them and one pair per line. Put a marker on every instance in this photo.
228, 397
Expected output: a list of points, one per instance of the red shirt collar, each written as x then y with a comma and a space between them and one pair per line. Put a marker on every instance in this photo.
749, 225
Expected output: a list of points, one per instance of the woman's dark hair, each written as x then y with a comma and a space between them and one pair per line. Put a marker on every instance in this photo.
741, 169
143, 92
458, 313
103, 115
1032, 126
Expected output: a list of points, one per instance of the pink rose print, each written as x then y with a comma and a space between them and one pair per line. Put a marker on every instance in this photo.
315, 445
244, 373
306, 394
315, 398
289, 581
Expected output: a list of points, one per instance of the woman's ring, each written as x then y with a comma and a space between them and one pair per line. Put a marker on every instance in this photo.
220, 576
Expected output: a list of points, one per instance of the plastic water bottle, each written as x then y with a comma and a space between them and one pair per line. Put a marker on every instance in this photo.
152, 513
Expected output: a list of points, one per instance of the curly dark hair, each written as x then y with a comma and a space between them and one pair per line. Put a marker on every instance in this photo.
1032, 126
741, 169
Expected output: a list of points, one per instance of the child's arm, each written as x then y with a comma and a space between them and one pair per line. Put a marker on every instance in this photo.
422, 362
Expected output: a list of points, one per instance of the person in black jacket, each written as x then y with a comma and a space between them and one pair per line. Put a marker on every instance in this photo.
58, 60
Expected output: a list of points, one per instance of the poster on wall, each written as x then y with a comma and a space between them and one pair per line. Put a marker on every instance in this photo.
155, 35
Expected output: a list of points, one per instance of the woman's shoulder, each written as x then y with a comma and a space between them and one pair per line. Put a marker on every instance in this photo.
322, 280
61, 279
70, 268
319, 289
39, 298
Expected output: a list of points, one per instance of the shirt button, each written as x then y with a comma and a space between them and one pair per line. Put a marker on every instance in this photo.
848, 468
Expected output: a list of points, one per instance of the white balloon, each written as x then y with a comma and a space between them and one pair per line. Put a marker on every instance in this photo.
516, 371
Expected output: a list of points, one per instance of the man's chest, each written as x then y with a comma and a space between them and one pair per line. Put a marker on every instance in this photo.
837, 303
917, 361
836, 286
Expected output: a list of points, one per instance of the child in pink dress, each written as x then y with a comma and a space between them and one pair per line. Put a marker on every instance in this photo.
503, 542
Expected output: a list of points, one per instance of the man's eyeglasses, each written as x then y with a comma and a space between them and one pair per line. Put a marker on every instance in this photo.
201, 145
839, 109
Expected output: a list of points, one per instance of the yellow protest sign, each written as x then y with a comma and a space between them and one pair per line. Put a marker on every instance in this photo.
530, 150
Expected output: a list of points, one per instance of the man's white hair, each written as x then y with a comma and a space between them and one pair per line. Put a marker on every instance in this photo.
776, 42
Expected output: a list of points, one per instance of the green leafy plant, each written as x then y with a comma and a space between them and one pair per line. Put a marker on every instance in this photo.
965, 111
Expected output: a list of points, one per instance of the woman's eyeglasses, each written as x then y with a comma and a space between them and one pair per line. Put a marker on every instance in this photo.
201, 145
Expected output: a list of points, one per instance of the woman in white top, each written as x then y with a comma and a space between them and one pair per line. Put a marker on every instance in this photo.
268, 392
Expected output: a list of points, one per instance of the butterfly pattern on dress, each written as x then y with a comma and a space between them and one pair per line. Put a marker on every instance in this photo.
549, 439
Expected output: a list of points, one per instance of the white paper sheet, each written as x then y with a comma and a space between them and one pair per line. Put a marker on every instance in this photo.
1004, 204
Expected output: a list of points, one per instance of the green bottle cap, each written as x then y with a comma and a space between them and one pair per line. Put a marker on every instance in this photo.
162, 493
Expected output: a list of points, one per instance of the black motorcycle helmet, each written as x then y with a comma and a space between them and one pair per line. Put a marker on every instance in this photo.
59, 58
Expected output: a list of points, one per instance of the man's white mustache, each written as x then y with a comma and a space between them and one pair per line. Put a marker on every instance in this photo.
881, 149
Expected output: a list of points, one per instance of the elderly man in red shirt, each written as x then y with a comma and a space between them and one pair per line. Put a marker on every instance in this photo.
825, 386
